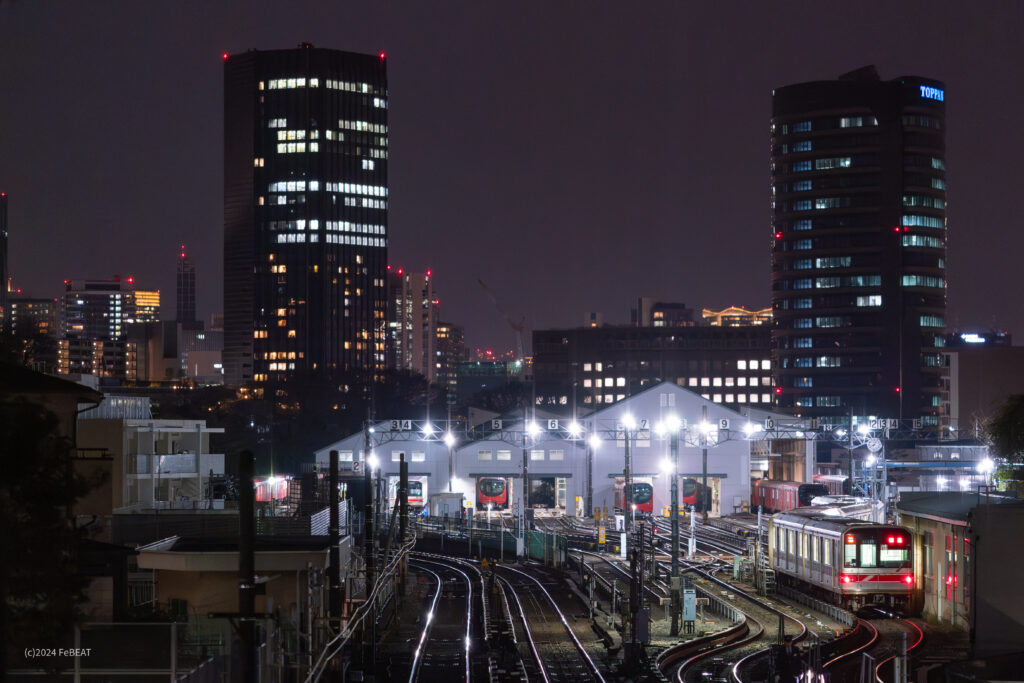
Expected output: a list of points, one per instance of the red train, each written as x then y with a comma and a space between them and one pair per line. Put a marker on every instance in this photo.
779, 496
416, 498
641, 495
695, 494
272, 488
491, 491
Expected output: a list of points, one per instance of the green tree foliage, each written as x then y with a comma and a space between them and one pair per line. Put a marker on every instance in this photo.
38, 538
1006, 434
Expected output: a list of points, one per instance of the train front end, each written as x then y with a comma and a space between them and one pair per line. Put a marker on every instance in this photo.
877, 567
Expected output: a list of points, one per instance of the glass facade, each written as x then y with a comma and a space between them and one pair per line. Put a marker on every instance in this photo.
306, 193
858, 246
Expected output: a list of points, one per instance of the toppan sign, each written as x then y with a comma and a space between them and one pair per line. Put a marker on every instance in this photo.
930, 93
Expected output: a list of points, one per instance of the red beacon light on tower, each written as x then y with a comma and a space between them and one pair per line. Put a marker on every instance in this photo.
383, 55
224, 56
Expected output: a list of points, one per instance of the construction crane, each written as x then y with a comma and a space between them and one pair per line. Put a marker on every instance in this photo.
518, 327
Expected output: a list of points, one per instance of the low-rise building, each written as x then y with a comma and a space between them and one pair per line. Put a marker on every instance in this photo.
969, 558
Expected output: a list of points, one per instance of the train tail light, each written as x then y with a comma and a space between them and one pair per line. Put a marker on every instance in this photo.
909, 579
844, 578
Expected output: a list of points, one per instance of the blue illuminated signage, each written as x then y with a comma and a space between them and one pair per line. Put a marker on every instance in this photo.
930, 93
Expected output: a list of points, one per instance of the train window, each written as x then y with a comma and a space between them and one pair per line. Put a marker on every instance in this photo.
492, 486
893, 557
791, 541
816, 549
803, 546
867, 553
827, 555
849, 555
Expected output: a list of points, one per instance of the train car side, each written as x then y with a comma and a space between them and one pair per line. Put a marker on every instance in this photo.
849, 562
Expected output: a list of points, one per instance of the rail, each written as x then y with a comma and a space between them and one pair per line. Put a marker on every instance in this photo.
417, 658
469, 604
336, 644
834, 611
579, 646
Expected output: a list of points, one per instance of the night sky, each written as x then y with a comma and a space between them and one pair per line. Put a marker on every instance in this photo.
573, 155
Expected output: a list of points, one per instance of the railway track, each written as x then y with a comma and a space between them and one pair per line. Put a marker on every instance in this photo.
444, 643
542, 629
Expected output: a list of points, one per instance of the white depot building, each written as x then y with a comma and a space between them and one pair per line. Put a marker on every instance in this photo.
568, 460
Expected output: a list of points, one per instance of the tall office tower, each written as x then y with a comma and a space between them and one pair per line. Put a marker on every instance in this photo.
186, 290
858, 246
305, 215
92, 330
142, 306
451, 350
33, 322
412, 322
5, 276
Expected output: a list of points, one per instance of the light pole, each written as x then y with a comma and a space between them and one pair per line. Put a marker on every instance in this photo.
530, 430
628, 424
593, 443
673, 424
449, 441
705, 430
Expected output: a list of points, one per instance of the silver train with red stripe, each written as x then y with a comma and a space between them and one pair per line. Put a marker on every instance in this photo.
847, 561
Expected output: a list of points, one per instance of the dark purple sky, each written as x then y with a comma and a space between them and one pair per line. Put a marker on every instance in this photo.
573, 155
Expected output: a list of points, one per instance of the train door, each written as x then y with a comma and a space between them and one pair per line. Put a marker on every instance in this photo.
715, 484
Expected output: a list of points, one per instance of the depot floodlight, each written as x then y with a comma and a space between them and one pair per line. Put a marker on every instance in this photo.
940, 482
863, 429
965, 483
372, 430
706, 427
659, 428
748, 428
870, 461
532, 429
372, 461
986, 466
628, 422
428, 429
840, 433
575, 429
673, 423
449, 439
594, 441
666, 466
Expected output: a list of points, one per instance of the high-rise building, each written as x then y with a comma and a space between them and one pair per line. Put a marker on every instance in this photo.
5, 276
859, 245
305, 214
92, 331
143, 306
451, 350
186, 286
34, 324
412, 322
